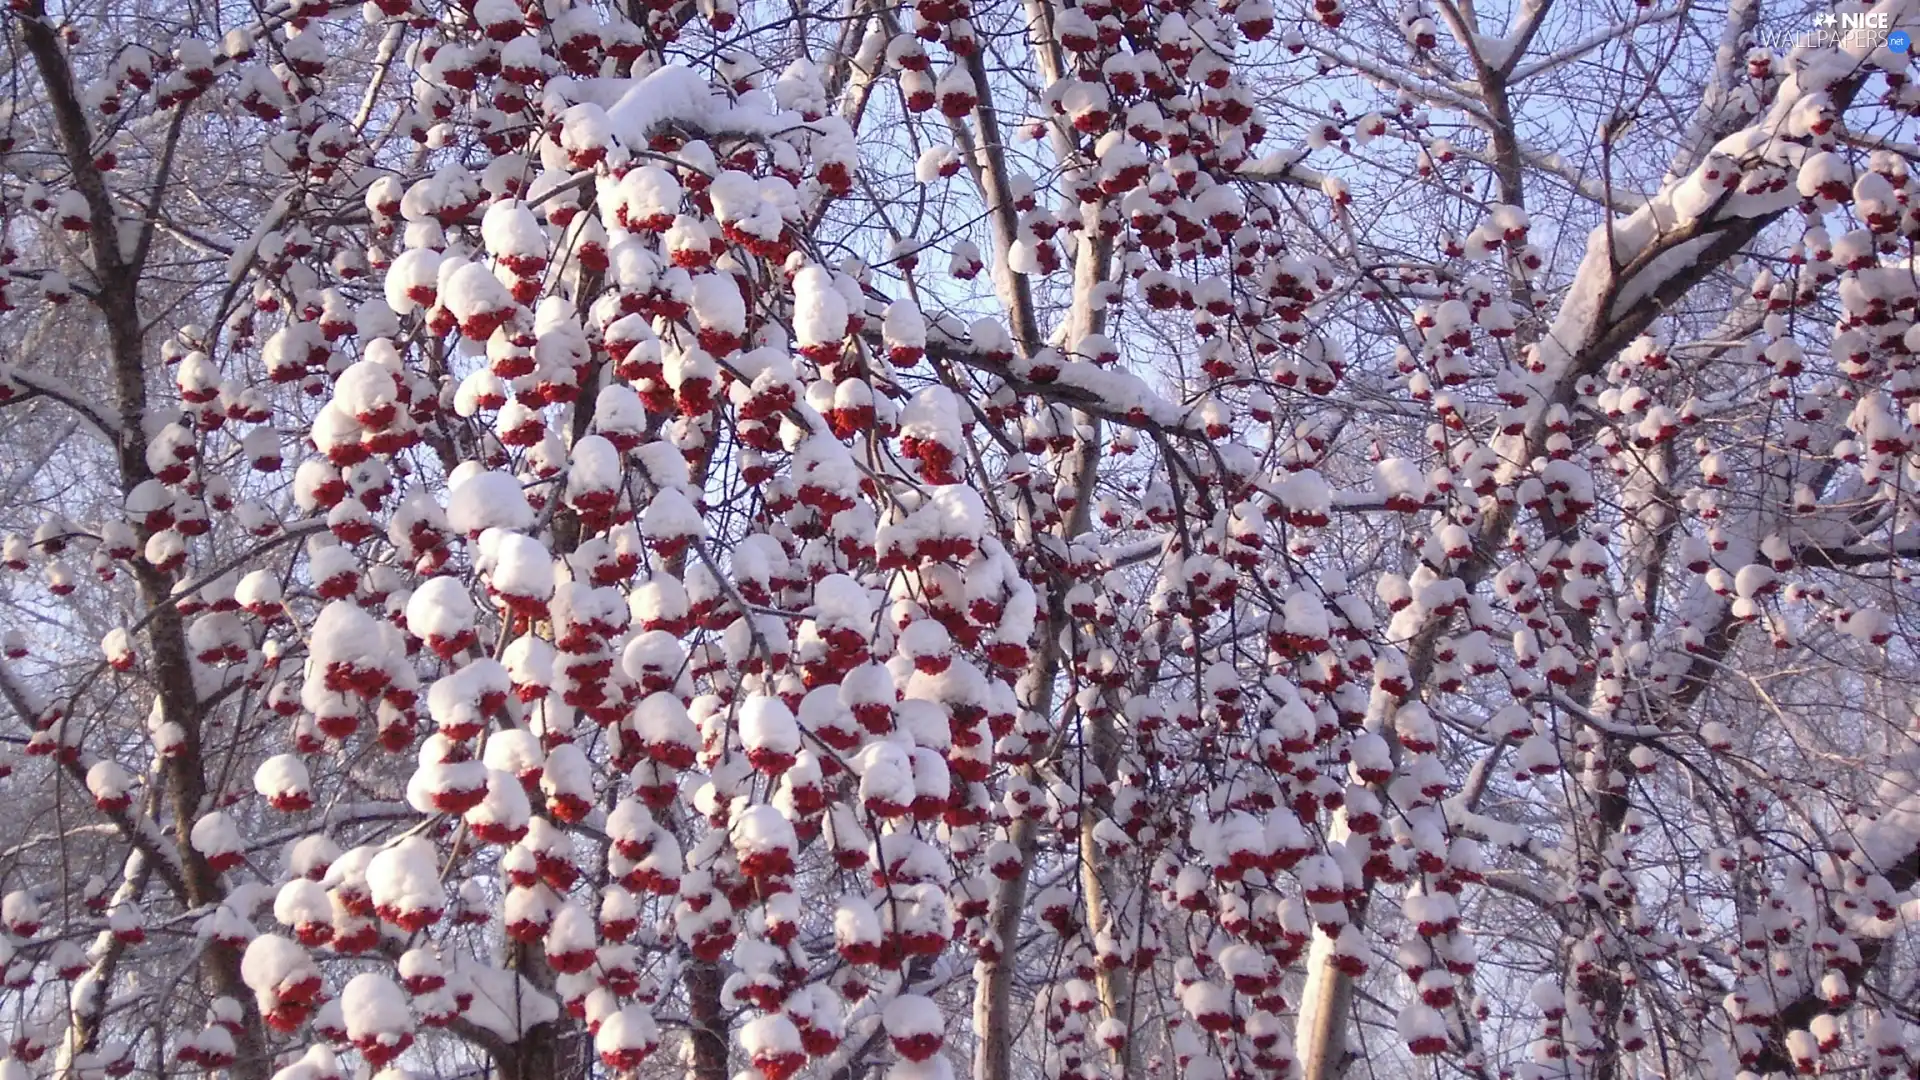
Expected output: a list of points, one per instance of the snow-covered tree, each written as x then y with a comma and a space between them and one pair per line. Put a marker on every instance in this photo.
1201, 538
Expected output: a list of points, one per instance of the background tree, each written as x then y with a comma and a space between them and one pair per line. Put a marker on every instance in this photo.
1118, 539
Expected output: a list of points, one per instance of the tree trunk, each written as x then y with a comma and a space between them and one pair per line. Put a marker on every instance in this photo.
117, 273
535, 1057
704, 982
